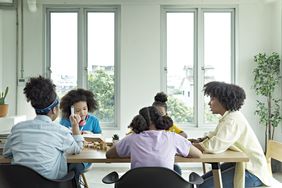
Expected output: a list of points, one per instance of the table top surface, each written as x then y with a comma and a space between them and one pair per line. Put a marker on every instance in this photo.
98, 156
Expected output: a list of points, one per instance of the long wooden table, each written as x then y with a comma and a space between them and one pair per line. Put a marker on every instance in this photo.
95, 156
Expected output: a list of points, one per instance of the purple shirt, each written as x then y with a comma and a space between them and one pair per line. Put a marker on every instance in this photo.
153, 148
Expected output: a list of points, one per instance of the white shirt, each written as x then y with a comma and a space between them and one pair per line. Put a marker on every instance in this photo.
40, 144
234, 131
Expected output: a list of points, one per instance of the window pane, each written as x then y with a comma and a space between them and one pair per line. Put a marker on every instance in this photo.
63, 49
217, 52
180, 66
101, 59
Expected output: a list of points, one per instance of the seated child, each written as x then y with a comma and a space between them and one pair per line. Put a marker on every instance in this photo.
160, 104
151, 145
83, 102
40, 143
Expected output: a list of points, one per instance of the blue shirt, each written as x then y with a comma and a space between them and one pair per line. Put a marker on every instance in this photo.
92, 124
41, 144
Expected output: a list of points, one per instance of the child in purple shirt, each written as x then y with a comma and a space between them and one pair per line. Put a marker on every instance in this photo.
150, 145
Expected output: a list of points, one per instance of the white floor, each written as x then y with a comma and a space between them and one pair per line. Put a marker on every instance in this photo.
96, 174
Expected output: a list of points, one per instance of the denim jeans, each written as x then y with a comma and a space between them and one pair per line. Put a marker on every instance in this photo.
227, 174
78, 169
177, 169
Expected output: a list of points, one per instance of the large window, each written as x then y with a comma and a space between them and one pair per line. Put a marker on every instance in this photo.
198, 48
82, 52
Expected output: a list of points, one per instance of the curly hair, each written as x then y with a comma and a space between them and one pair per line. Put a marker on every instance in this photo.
148, 115
40, 92
160, 100
77, 95
229, 95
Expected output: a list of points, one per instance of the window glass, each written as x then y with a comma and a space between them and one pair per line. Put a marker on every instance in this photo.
217, 52
198, 49
101, 61
180, 66
63, 50
81, 52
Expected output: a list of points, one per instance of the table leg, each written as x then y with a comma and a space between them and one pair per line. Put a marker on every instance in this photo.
216, 175
204, 168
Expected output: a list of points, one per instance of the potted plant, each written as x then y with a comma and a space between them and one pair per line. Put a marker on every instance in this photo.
3, 105
115, 138
266, 80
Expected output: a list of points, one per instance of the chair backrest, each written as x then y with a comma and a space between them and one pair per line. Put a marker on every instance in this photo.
154, 177
14, 176
274, 151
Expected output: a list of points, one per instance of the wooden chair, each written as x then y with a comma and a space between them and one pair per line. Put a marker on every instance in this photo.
14, 175
274, 151
83, 177
84, 183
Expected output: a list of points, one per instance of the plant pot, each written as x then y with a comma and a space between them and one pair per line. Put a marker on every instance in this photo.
3, 110
115, 141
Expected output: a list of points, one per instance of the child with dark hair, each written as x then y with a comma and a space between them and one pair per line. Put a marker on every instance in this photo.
82, 101
151, 145
40, 143
233, 132
160, 104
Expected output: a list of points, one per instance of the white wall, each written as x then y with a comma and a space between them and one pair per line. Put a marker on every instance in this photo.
8, 56
1, 51
259, 30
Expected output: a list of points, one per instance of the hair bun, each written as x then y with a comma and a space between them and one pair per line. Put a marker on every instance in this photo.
161, 97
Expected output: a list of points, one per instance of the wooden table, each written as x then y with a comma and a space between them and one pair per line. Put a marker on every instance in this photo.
94, 156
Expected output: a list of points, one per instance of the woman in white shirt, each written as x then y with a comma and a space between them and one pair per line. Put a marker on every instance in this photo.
233, 132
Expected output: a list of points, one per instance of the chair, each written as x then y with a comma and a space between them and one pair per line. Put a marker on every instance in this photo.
151, 177
274, 151
14, 176
83, 181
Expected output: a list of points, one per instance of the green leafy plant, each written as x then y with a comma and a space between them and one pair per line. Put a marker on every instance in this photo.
3, 95
266, 80
115, 137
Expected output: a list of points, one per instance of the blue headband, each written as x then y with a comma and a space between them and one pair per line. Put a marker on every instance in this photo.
48, 108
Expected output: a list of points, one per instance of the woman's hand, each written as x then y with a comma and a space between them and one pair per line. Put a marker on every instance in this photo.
197, 140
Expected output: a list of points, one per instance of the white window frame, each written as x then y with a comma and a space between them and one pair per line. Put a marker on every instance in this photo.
198, 53
82, 70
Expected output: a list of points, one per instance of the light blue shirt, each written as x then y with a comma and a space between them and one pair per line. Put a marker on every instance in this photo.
153, 148
41, 144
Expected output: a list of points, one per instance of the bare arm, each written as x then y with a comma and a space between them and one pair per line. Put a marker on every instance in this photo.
112, 153
183, 134
197, 145
195, 152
